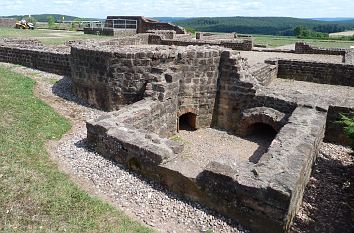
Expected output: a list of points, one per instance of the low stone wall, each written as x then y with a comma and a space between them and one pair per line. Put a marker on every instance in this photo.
349, 57
245, 45
214, 36
317, 72
49, 59
264, 73
304, 48
165, 34
110, 32
7, 22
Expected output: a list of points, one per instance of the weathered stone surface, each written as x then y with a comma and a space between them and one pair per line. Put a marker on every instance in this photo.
151, 86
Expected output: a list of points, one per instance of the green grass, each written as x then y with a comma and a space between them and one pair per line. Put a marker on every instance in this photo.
275, 41
47, 36
34, 195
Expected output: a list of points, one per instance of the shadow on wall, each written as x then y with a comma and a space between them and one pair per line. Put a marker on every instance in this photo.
64, 89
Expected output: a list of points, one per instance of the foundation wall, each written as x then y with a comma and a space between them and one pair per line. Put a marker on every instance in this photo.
53, 60
110, 32
304, 48
317, 72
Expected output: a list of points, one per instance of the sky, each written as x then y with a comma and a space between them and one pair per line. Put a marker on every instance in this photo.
181, 8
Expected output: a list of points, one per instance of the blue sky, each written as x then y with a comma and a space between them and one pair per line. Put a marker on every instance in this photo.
187, 8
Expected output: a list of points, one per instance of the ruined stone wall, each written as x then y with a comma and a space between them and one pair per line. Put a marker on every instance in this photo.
349, 57
214, 36
317, 72
233, 94
7, 22
264, 73
304, 48
109, 32
245, 45
198, 85
45, 58
165, 34
109, 79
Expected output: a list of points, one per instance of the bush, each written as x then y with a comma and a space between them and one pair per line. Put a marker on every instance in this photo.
349, 128
51, 21
190, 30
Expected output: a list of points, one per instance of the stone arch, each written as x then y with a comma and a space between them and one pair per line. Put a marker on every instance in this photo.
187, 119
253, 118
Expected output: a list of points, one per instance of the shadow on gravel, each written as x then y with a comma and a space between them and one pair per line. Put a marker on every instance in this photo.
64, 89
328, 197
83, 144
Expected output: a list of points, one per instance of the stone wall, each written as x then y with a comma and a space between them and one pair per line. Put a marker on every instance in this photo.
45, 58
7, 22
349, 57
165, 34
112, 77
265, 196
245, 45
304, 48
317, 72
110, 32
214, 36
264, 73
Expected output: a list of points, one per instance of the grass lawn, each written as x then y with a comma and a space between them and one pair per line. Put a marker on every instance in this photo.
275, 41
34, 195
48, 36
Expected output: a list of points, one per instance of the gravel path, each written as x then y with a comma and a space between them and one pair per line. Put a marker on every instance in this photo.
325, 207
256, 57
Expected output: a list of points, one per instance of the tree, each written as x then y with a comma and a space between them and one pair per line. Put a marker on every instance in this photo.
51, 21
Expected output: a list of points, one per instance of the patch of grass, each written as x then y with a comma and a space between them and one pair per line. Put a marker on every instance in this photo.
48, 36
276, 41
34, 195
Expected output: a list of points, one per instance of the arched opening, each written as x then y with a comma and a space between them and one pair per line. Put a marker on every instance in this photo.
262, 130
187, 121
262, 134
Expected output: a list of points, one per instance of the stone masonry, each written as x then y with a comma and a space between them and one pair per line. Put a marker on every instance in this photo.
148, 86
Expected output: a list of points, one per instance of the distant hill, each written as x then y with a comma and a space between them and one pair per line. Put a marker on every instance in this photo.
262, 25
44, 17
339, 19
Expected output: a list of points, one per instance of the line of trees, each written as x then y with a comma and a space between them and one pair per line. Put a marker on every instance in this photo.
304, 33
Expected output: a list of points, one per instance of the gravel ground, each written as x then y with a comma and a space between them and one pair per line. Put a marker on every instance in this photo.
329, 193
206, 145
325, 207
256, 57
